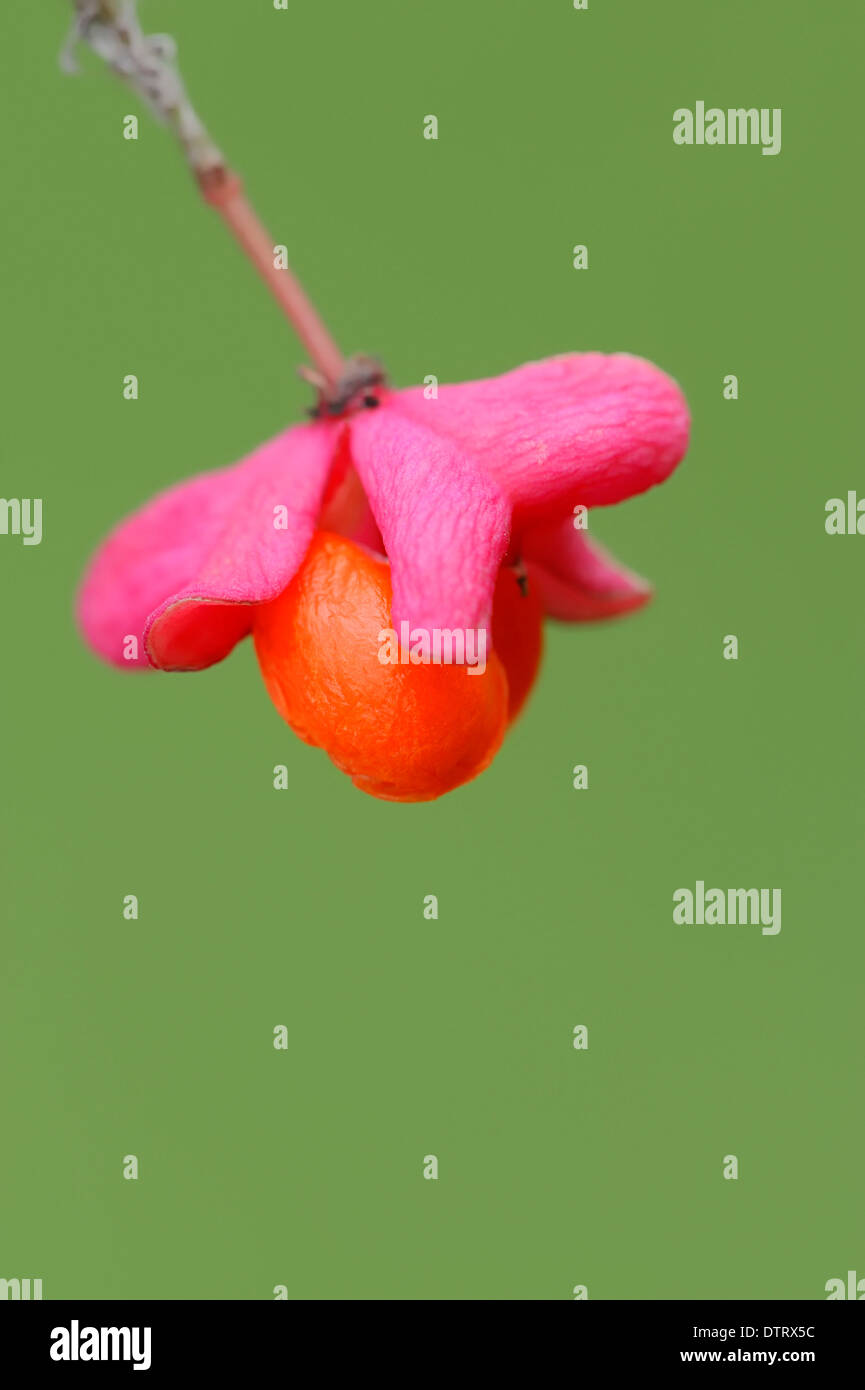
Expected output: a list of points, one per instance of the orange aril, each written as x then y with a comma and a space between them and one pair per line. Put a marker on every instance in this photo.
402, 732
517, 635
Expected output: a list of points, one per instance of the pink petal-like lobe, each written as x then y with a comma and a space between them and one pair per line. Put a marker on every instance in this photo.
577, 579
586, 428
180, 574
451, 482
444, 524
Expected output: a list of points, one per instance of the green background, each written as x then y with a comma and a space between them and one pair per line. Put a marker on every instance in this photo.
305, 907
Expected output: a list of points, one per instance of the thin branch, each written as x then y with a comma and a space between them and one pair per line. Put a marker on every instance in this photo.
148, 65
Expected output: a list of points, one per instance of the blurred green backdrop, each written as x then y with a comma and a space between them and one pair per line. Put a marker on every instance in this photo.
304, 908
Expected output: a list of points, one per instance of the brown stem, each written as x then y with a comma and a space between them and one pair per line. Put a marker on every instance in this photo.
224, 191
148, 66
